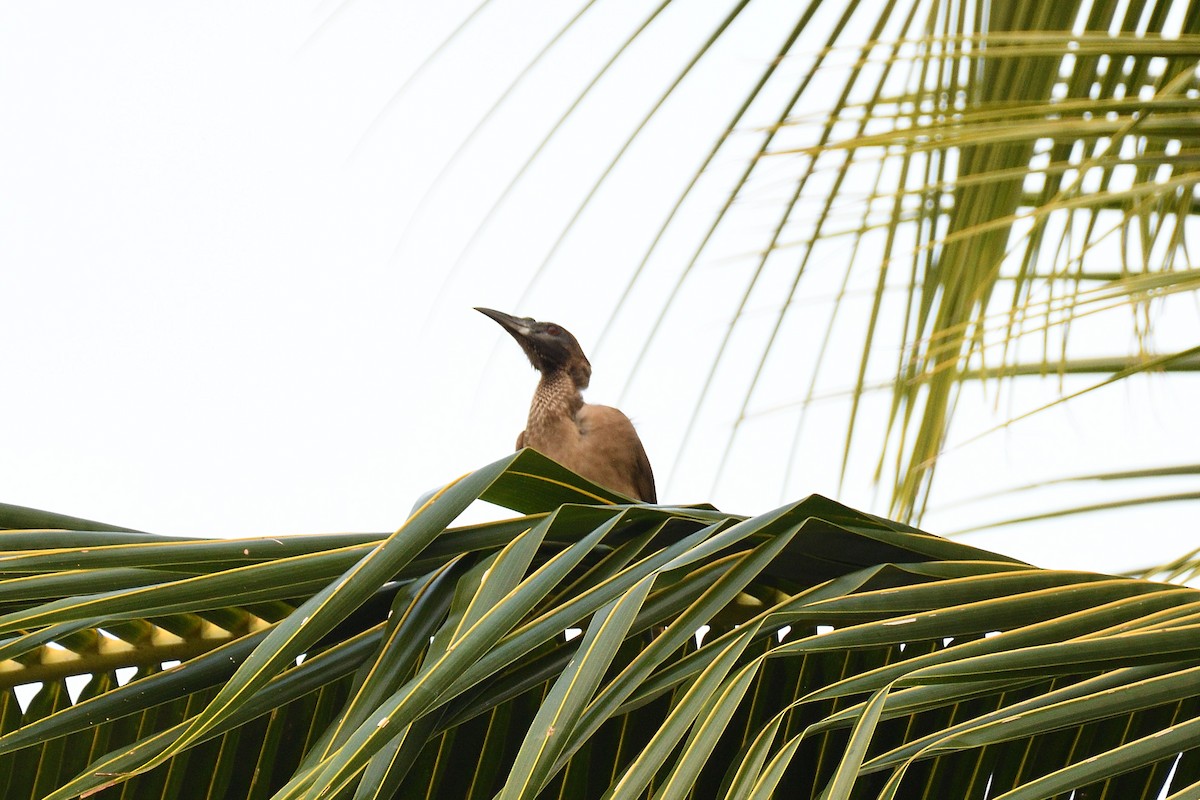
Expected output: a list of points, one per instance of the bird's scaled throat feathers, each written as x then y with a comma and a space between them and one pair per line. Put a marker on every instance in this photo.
556, 400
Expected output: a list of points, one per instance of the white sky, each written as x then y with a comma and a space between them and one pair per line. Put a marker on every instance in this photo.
226, 312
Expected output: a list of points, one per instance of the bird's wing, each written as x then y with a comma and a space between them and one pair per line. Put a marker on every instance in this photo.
520, 440
643, 476
615, 444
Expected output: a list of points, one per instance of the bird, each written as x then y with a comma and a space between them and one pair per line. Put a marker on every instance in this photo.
597, 442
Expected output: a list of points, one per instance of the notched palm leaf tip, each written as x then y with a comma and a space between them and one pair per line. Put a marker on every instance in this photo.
598, 442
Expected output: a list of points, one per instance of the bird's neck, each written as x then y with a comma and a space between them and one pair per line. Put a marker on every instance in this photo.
557, 399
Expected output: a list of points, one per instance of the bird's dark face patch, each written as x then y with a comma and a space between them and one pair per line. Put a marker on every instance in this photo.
549, 346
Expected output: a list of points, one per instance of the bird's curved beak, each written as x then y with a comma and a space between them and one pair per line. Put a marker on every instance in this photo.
516, 326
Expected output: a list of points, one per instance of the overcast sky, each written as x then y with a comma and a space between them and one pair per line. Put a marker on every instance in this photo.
238, 275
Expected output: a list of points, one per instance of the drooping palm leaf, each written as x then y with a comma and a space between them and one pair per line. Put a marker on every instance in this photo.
846, 654
954, 187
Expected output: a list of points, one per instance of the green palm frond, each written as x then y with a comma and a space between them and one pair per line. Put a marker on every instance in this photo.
954, 188
555, 654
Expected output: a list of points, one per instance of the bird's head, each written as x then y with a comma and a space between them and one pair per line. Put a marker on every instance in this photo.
550, 347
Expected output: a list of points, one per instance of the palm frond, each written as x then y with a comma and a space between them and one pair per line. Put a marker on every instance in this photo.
845, 655
949, 192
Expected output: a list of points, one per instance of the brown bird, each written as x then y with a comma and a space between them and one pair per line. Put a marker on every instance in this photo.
598, 442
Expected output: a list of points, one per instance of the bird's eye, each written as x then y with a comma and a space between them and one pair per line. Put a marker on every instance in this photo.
553, 329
